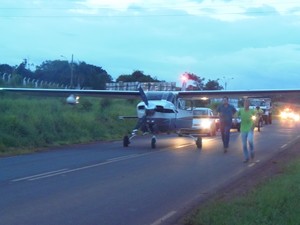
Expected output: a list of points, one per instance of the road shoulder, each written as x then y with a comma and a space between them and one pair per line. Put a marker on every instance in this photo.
256, 176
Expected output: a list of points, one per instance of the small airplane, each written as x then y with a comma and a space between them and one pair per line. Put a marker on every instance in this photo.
160, 111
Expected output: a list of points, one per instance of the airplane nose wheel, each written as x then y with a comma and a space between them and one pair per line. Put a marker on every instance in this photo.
126, 141
153, 142
199, 142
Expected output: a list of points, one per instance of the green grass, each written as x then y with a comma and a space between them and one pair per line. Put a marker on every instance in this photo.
274, 203
31, 123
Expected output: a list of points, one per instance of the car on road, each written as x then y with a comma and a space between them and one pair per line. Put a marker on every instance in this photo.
204, 121
236, 123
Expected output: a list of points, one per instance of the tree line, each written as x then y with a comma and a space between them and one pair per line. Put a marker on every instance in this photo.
63, 74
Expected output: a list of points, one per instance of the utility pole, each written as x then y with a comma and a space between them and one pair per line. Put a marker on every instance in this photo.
71, 81
226, 80
71, 69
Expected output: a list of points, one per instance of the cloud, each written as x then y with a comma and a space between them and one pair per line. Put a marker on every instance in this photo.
103, 7
270, 67
218, 9
212, 39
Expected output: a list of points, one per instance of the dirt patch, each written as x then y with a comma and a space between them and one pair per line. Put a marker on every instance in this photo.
260, 173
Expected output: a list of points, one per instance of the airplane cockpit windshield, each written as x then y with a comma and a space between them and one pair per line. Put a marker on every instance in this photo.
168, 96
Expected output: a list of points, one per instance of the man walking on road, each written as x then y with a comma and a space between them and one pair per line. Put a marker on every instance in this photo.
226, 112
247, 127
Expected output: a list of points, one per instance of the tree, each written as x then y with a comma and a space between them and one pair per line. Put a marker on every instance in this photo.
136, 76
14, 75
5, 68
56, 71
74, 75
213, 85
91, 76
22, 70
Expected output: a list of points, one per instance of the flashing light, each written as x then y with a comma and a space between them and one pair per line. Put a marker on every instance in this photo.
204, 98
289, 114
184, 78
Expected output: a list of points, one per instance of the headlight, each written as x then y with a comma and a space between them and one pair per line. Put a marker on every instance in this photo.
283, 115
290, 115
296, 117
206, 123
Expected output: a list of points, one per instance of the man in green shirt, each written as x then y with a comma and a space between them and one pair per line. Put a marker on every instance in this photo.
247, 126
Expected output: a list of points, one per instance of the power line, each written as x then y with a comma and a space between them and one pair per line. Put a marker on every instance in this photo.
140, 11
152, 6
264, 13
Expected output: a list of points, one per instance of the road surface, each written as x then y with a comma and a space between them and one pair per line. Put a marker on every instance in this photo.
106, 184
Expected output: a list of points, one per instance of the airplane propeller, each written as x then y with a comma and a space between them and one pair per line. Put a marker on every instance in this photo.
148, 110
143, 95
142, 122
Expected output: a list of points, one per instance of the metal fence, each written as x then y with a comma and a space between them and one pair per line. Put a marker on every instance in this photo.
147, 86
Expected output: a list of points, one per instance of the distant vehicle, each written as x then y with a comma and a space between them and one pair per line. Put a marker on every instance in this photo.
289, 114
204, 122
236, 123
266, 105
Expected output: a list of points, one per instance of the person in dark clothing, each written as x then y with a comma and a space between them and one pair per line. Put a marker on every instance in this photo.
225, 111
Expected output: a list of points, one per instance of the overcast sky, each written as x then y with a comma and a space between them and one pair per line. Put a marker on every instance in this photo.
246, 44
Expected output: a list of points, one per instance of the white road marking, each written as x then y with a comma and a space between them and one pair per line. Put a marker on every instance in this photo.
64, 171
38, 175
162, 219
182, 146
290, 142
253, 163
190, 144
123, 157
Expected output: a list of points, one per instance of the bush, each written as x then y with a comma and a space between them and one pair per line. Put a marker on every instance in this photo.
28, 122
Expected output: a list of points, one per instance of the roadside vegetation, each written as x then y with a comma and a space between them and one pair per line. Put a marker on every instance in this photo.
274, 202
31, 123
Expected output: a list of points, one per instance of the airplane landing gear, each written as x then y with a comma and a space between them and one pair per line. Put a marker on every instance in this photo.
196, 137
153, 142
127, 138
199, 142
126, 141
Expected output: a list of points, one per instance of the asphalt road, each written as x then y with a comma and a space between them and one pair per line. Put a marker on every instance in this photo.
106, 184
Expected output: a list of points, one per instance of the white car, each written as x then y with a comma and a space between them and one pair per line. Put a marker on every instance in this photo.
204, 121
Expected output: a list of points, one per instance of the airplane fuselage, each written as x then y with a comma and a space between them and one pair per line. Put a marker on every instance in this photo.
164, 115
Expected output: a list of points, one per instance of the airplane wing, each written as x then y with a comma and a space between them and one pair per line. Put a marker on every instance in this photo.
194, 95
263, 93
64, 92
